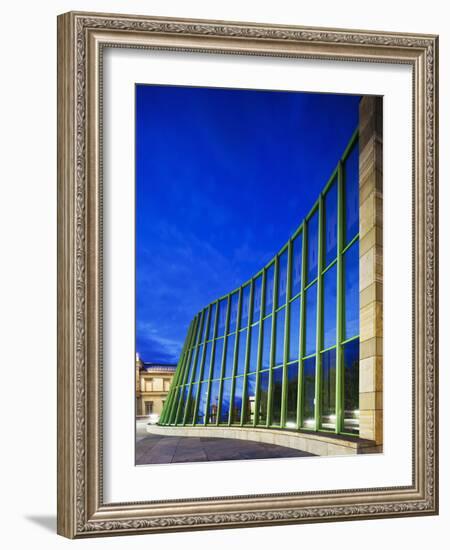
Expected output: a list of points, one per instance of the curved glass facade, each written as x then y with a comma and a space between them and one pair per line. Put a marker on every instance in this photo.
282, 350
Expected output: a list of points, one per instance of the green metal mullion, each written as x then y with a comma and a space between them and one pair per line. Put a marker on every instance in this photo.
187, 357
174, 386
318, 404
287, 321
329, 266
339, 304
350, 340
311, 283
302, 330
260, 348
201, 366
211, 362
236, 344
272, 343
247, 348
194, 363
224, 355
353, 241
328, 349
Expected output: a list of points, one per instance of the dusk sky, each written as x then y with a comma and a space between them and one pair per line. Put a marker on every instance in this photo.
223, 178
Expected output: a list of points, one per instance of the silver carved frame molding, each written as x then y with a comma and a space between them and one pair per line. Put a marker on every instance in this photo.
81, 38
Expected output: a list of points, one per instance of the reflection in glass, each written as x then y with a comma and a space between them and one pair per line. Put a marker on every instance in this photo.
309, 385
328, 390
234, 302
212, 322
253, 360
249, 402
226, 393
229, 360
282, 278
292, 393
237, 399
216, 371
207, 363
257, 286
330, 233
313, 228
268, 300
213, 401
296, 275
279, 340
202, 403
245, 297
311, 320
242, 344
351, 194
267, 331
222, 317
191, 404
184, 396
263, 394
329, 308
294, 329
351, 291
277, 390
351, 386
198, 363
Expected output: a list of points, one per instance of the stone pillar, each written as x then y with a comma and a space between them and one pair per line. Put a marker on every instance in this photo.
371, 267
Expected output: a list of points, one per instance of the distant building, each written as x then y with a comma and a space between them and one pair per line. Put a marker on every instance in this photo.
153, 382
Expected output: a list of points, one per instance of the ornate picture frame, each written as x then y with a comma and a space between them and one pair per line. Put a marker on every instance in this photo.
82, 38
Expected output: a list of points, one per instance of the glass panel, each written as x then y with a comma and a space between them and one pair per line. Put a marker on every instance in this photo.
292, 391
309, 398
296, 274
212, 322
257, 286
330, 233
249, 403
230, 355
263, 393
242, 342
282, 278
254, 336
277, 387
191, 404
205, 322
216, 372
313, 237
207, 363
267, 331
237, 399
213, 401
245, 296
351, 287
225, 409
202, 403
311, 319
222, 317
328, 390
329, 308
351, 194
268, 300
294, 330
233, 311
351, 386
183, 405
279, 341
198, 363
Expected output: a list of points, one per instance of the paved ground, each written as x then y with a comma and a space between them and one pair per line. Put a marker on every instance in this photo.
162, 449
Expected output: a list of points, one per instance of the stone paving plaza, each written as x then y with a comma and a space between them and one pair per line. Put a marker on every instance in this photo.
160, 449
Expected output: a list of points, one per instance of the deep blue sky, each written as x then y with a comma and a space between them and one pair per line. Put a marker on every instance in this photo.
223, 178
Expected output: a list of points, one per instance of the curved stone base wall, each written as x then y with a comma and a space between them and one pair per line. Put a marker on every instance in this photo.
317, 444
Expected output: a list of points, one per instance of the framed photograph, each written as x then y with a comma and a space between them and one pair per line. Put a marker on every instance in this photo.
247, 286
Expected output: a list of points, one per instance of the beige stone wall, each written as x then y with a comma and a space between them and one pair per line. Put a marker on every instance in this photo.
371, 268
152, 386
